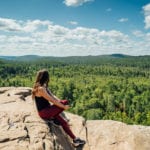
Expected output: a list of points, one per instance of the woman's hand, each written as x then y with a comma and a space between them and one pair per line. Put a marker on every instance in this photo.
66, 107
43, 92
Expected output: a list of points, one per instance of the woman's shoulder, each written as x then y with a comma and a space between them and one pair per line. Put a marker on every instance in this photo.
41, 88
40, 91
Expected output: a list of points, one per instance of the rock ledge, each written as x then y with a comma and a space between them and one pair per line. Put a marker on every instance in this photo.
22, 129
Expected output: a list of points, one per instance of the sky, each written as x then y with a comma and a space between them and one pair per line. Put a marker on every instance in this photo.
74, 27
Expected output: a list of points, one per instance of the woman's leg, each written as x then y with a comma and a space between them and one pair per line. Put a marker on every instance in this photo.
52, 111
65, 126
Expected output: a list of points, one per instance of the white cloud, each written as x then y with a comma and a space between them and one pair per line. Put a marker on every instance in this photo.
138, 33
123, 20
31, 26
146, 9
9, 25
75, 3
45, 38
73, 22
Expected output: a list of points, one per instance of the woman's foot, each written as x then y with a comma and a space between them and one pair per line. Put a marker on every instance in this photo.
78, 142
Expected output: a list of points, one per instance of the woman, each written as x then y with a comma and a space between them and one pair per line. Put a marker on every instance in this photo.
43, 99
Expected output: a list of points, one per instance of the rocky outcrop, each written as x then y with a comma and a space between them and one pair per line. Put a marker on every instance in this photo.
22, 129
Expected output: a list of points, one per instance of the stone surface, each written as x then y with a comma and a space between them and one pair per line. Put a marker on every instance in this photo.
22, 129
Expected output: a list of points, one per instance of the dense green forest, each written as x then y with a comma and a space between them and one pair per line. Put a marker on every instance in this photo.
113, 87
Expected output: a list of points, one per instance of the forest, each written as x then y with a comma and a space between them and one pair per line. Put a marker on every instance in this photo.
115, 87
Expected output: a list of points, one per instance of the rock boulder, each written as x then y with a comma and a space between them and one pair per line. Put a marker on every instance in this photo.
22, 129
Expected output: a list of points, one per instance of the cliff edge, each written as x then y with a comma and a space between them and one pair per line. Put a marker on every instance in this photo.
22, 129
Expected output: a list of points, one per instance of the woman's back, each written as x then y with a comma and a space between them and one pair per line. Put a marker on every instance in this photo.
41, 103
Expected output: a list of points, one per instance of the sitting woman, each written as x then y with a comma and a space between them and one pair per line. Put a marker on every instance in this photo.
49, 106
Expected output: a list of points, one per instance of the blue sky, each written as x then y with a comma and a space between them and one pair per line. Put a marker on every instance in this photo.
74, 27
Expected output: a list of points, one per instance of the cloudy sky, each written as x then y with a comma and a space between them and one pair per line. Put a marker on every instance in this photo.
74, 27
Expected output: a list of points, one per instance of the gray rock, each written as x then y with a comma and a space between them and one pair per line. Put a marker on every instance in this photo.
22, 129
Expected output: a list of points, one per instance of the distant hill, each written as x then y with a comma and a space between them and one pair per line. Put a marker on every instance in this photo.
21, 58
119, 55
8, 57
75, 58
116, 59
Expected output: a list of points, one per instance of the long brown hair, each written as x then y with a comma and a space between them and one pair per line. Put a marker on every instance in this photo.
42, 78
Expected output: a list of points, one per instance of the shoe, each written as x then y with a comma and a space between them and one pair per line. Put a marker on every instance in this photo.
78, 142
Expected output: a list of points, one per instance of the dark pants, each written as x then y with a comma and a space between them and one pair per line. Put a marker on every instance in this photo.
54, 111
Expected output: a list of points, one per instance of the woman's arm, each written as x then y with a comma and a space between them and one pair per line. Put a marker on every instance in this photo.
54, 96
42, 91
